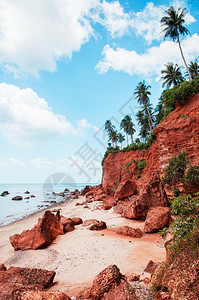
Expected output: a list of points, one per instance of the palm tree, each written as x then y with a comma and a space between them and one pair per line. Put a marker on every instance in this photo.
173, 23
121, 138
142, 95
127, 125
142, 120
193, 69
108, 126
114, 137
172, 75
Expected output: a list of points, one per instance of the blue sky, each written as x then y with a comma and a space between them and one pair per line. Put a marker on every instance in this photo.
66, 67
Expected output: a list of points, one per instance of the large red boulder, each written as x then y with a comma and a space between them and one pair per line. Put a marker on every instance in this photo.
41, 235
110, 284
157, 218
129, 231
109, 202
153, 195
126, 189
16, 278
136, 209
32, 294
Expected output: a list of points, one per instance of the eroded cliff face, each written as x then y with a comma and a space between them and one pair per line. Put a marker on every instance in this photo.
179, 131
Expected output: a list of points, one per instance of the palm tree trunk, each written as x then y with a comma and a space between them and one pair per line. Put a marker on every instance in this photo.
149, 117
127, 139
190, 78
131, 139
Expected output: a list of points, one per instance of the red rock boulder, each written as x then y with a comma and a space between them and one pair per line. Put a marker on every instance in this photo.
109, 202
126, 189
85, 190
110, 284
68, 224
129, 231
16, 278
157, 218
41, 235
77, 220
33, 294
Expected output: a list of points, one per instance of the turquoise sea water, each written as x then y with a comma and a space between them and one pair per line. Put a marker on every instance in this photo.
11, 210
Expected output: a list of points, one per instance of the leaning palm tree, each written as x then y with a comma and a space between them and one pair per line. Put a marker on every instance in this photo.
193, 68
172, 75
173, 23
142, 95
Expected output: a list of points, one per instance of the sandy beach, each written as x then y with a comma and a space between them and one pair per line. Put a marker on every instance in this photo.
78, 256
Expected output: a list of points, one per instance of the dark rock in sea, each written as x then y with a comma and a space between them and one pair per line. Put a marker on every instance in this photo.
32, 196
27, 198
27, 192
5, 193
52, 201
17, 198
66, 190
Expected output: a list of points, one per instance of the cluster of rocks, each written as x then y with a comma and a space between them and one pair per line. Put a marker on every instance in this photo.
26, 284
48, 228
149, 204
17, 198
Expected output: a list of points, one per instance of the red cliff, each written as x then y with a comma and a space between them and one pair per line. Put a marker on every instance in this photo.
179, 131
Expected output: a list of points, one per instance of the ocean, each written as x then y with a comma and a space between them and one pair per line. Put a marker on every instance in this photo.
12, 210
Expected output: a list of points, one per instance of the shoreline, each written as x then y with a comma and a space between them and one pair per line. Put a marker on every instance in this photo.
37, 212
78, 256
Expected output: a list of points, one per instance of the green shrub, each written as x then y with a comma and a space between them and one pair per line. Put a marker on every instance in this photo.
187, 217
192, 176
176, 168
179, 95
176, 191
141, 164
185, 226
127, 164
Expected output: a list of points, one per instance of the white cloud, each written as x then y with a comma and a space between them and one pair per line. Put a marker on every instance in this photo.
152, 61
12, 162
35, 34
112, 16
145, 23
25, 118
83, 123
40, 163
